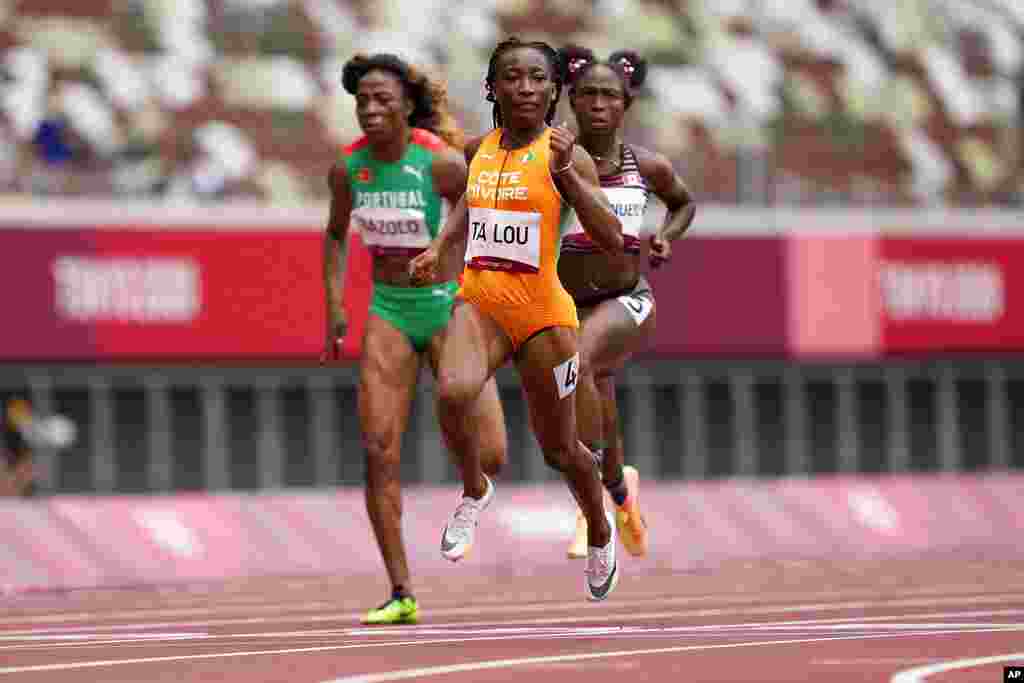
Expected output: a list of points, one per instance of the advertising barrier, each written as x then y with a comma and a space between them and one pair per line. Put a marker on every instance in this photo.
107, 283
951, 293
73, 542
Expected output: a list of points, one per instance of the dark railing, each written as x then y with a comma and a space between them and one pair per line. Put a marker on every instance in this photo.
163, 429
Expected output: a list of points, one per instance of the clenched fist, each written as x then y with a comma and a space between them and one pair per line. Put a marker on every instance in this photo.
562, 142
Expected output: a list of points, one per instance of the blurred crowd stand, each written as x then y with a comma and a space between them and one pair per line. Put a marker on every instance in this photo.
795, 102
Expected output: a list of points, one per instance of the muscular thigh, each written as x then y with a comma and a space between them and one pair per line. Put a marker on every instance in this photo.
387, 380
610, 333
482, 348
549, 368
467, 352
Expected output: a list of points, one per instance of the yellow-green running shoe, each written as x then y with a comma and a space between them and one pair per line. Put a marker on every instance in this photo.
394, 611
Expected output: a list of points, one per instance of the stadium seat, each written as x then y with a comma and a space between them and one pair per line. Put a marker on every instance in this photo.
808, 99
903, 103
690, 92
987, 171
68, 43
931, 171
265, 83
955, 91
178, 83
122, 78
91, 116
751, 72
864, 76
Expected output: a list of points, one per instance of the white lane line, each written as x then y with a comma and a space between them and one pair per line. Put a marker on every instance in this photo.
858, 622
860, 626
919, 673
82, 643
579, 615
532, 632
92, 664
291, 610
102, 637
50, 617
93, 639
421, 672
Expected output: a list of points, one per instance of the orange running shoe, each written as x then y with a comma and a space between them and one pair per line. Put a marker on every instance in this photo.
578, 547
628, 519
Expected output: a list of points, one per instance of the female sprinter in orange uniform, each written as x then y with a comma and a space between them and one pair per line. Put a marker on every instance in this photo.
615, 301
525, 180
390, 185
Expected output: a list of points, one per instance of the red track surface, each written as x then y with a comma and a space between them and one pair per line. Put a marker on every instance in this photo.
757, 621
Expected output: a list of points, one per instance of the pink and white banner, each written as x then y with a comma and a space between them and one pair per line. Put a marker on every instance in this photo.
75, 541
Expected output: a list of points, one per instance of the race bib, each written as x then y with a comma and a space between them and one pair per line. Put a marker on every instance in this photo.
503, 240
392, 229
628, 203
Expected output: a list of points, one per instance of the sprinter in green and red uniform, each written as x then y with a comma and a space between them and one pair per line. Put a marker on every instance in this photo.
391, 185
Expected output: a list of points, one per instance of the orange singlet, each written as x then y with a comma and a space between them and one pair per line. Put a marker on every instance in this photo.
516, 221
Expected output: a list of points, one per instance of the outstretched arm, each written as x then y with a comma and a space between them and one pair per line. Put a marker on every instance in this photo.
455, 229
443, 256
447, 250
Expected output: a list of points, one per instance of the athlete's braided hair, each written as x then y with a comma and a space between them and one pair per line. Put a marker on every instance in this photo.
550, 53
429, 97
629, 65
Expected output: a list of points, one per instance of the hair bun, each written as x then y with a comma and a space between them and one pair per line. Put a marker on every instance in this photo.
353, 70
632, 64
572, 59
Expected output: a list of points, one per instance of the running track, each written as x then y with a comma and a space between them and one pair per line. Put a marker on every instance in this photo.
926, 619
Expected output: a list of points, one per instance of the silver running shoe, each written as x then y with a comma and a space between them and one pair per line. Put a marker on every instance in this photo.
602, 572
457, 538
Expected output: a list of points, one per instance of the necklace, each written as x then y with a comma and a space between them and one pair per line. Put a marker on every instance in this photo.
615, 162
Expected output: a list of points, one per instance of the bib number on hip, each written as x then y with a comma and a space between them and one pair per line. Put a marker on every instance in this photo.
567, 375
